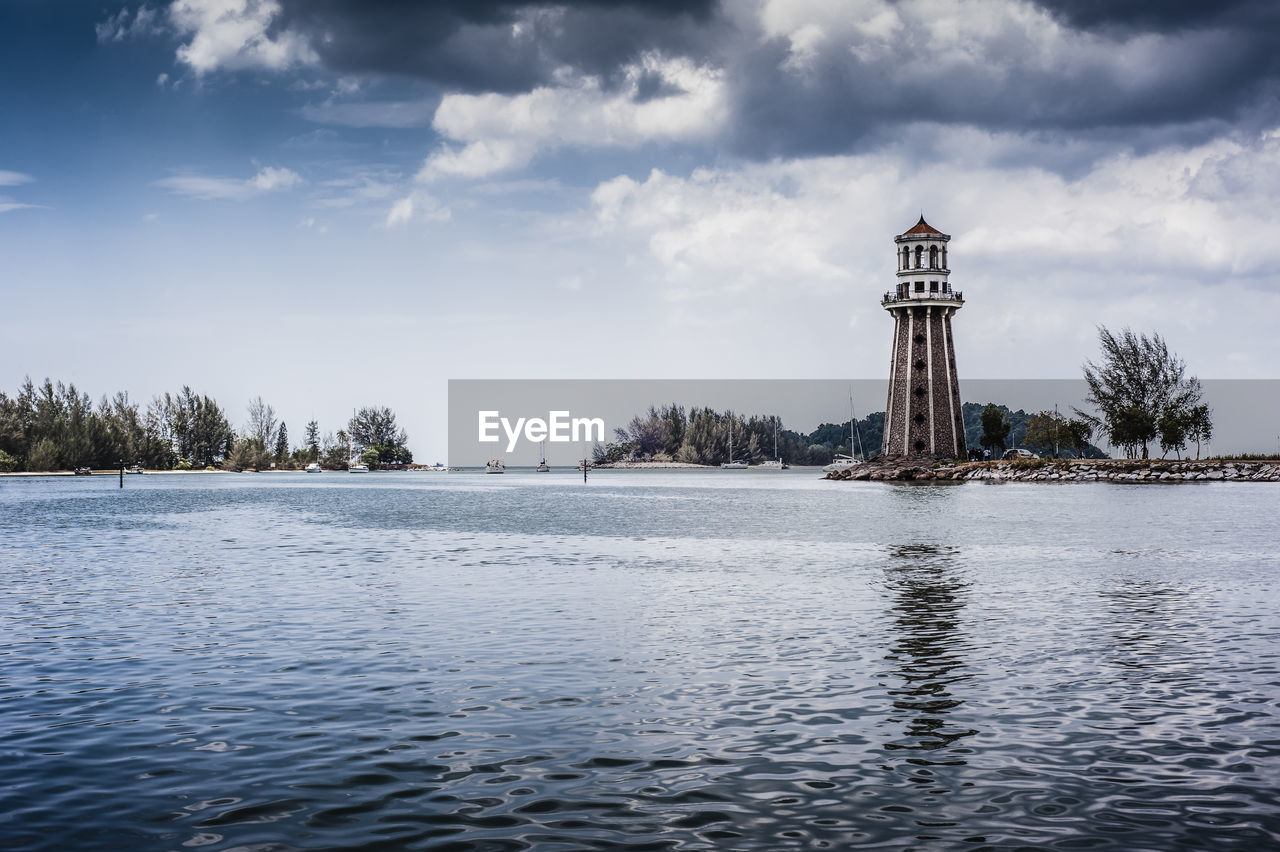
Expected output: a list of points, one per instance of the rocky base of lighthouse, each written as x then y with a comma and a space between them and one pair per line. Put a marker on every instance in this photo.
929, 469
894, 468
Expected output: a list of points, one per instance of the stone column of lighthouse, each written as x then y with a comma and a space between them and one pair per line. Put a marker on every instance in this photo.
923, 414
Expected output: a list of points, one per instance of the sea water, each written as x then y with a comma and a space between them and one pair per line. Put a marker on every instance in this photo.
656, 661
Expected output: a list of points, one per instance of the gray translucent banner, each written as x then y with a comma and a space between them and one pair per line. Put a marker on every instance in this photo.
521, 417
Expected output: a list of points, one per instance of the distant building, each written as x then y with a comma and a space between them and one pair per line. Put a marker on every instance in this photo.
923, 414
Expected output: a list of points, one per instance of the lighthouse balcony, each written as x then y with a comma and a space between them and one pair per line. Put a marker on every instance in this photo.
918, 297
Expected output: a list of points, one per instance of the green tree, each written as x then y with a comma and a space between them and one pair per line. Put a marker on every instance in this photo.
1080, 433
1132, 428
282, 444
1199, 425
1136, 383
1047, 430
375, 428
197, 426
995, 429
336, 451
313, 441
1173, 426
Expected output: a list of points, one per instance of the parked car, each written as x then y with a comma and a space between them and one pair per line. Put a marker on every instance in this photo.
1020, 454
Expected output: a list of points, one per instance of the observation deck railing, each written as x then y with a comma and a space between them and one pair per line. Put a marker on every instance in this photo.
924, 296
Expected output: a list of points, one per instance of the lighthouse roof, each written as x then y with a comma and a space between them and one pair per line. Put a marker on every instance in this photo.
923, 227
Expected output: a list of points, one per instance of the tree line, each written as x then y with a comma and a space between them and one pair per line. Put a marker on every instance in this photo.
702, 435
55, 426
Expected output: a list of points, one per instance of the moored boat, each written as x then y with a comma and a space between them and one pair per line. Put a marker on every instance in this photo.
841, 462
732, 463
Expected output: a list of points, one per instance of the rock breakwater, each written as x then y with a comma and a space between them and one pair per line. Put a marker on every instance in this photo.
925, 468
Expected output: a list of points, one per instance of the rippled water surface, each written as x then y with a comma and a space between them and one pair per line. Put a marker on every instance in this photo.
705, 660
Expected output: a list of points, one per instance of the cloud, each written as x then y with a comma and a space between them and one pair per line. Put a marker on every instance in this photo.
365, 186
820, 78
391, 114
473, 45
235, 35
493, 45
1179, 240
268, 179
1133, 225
8, 178
797, 77
7, 204
500, 132
1158, 14
416, 207
127, 24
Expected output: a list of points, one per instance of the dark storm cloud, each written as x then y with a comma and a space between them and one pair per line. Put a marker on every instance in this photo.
484, 45
1118, 70
1157, 14
1142, 68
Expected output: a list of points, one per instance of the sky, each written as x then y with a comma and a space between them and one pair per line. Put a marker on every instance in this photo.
339, 203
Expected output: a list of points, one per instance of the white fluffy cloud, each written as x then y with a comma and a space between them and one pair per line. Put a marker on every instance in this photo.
268, 179
1175, 240
416, 207
233, 34
492, 133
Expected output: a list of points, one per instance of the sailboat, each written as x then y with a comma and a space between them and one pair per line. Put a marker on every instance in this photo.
543, 467
740, 464
841, 461
775, 463
354, 465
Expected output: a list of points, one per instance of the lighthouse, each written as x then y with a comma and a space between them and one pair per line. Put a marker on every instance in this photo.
922, 416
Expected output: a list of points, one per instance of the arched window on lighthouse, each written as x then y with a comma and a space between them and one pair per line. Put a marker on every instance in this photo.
919, 255
933, 257
944, 257
905, 261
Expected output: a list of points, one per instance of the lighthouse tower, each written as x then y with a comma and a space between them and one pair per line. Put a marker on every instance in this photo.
922, 417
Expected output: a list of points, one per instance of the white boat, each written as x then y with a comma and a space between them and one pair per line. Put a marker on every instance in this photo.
137, 468
495, 466
775, 463
543, 467
733, 464
355, 465
314, 467
841, 462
